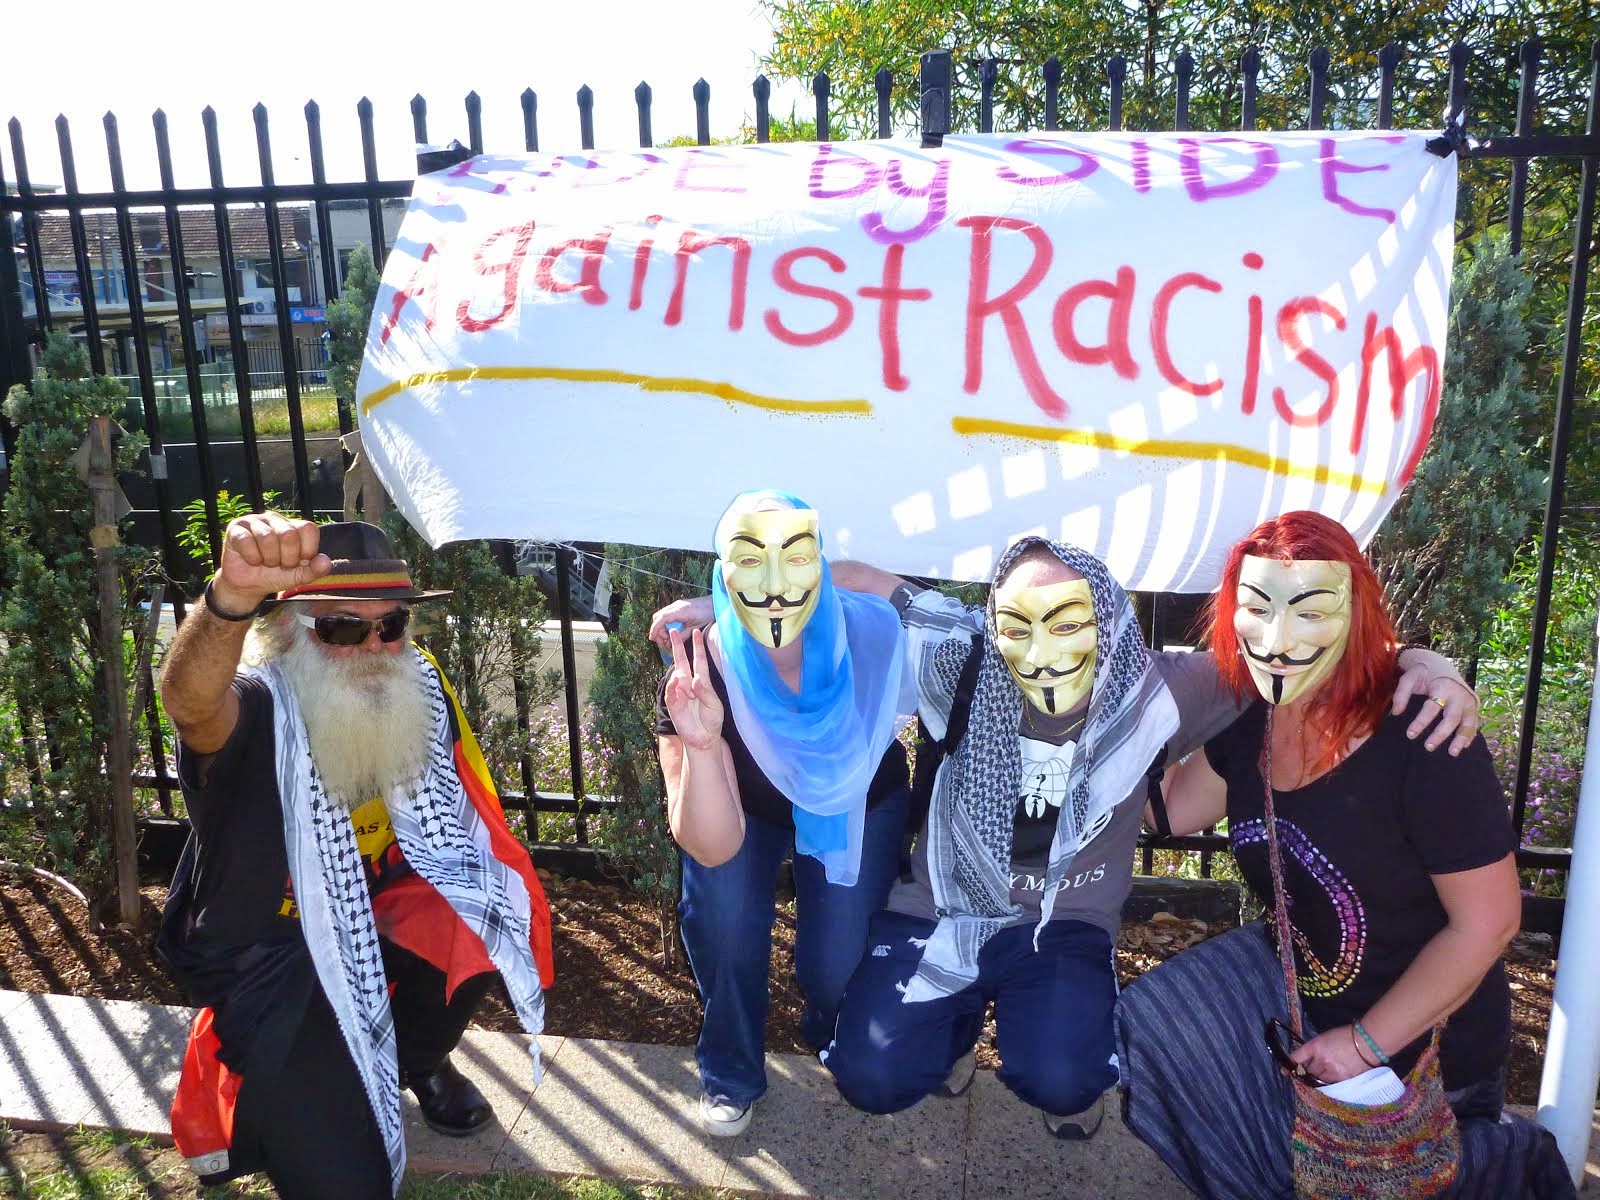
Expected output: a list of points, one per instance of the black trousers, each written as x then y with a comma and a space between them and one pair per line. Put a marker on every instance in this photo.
309, 1125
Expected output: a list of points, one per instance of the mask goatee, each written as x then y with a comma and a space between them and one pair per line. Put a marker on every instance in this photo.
367, 718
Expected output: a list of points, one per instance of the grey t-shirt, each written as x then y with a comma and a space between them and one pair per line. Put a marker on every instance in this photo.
1100, 875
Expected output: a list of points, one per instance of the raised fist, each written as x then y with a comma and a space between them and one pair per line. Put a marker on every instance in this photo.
263, 554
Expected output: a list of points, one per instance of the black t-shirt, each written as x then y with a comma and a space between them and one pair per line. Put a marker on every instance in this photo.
1359, 848
758, 796
232, 933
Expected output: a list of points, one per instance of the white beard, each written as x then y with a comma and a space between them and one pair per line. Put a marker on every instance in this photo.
367, 717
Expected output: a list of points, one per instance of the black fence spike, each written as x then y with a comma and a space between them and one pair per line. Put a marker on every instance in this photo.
1052, 93
586, 116
988, 75
419, 119
1116, 73
1184, 69
762, 90
1250, 69
1388, 67
474, 106
1529, 55
1319, 61
530, 120
883, 85
642, 98
821, 89
702, 112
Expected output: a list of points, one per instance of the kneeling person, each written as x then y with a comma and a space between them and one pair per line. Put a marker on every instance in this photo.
350, 887
1053, 718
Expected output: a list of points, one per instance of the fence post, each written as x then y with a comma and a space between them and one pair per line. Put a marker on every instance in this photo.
1572, 1053
16, 365
108, 506
935, 86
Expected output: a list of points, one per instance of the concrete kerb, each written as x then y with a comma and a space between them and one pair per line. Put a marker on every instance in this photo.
607, 1109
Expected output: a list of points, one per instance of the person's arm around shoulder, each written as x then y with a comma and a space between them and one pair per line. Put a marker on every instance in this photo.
703, 807
262, 554
1194, 795
1454, 707
697, 611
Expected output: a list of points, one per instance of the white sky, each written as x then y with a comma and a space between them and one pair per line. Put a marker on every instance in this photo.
85, 57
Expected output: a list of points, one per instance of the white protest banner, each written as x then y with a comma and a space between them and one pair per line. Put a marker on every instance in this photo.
1140, 343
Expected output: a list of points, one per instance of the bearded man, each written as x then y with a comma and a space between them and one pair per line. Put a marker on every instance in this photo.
350, 888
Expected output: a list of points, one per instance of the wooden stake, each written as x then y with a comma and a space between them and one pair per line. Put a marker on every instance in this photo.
104, 496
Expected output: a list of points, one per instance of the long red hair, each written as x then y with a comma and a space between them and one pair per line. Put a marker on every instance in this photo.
1352, 700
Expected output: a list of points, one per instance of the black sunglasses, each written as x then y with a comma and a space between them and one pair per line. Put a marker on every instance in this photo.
1281, 1040
343, 629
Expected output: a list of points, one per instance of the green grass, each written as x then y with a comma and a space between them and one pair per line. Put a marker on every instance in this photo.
82, 1173
319, 409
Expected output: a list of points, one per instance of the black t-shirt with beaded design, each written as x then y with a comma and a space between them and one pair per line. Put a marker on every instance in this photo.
1360, 846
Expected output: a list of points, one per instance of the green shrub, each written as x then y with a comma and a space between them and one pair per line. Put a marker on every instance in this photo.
55, 809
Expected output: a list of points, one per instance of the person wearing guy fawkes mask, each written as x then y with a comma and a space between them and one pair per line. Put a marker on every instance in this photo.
776, 729
1024, 859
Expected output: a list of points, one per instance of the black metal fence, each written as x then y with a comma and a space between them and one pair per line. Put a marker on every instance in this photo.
204, 308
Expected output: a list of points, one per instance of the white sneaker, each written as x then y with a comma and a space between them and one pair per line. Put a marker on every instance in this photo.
1079, 1126
722, 1119
960, 1077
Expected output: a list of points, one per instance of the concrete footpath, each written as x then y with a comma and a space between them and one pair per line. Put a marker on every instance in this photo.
609, 1109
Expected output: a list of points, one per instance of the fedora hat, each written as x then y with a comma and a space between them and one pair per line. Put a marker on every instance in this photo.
365, 567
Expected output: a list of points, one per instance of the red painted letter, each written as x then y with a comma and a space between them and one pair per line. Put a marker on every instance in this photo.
510, 269
593, 250
981, 306
1403, 368
891, 294
783, 276
1114, 349
422, 282
1289, 334
1160, 313
689, 245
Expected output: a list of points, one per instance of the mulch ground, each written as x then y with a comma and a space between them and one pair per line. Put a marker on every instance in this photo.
611, 981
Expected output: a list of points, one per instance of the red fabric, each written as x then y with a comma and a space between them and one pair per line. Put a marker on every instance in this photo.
504, 845
413, 915
202, 1109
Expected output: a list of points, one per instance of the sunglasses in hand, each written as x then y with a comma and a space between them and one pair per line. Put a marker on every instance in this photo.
1283, 1041
344, 629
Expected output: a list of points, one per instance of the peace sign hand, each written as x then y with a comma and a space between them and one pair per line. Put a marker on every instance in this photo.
691, 700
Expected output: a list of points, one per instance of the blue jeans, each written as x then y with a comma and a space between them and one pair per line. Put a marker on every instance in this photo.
727, 915
1052, 1016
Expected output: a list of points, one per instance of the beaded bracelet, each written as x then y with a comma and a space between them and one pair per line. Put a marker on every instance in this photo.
1383, 1059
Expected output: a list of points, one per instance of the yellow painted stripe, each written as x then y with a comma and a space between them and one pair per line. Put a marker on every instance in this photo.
647, 383
1165, 448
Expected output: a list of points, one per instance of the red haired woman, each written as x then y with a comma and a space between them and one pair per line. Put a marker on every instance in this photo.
1398, 872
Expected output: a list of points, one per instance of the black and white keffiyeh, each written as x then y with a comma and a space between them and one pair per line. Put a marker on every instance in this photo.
1131, 716
445, 841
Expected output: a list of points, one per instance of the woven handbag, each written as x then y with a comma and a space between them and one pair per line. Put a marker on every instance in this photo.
1407, 1149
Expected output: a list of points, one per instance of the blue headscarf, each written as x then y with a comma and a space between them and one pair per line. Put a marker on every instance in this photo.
821, 746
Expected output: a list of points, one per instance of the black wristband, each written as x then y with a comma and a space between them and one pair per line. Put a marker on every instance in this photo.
221, 613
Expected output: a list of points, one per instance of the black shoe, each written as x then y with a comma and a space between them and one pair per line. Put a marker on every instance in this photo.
1077, 1127
451, 1103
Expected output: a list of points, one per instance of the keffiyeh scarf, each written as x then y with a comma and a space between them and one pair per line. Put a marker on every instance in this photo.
1131, 716
444, 839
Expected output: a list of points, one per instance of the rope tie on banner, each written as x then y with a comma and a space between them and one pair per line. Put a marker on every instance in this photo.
1454, 140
